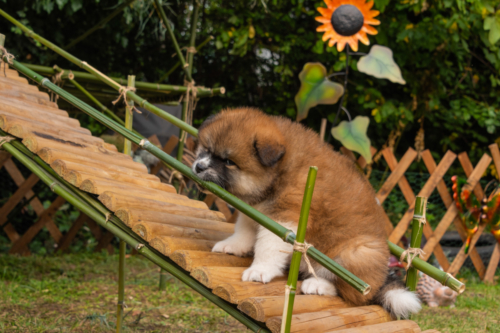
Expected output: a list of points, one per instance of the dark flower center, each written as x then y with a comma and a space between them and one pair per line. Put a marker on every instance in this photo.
347, 20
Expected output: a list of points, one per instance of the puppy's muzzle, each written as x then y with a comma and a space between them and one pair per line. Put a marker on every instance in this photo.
199, 167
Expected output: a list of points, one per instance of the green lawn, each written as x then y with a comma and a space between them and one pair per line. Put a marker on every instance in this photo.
78, 293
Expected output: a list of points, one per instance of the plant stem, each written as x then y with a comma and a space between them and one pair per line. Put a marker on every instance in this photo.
279, 230
163, 280
416, 239
164, 18
345, 83
171, 70
293, 273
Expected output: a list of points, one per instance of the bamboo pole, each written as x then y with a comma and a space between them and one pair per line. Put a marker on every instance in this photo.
293, 273
178, 63
90, 208
416, 239
127, 149
166, 22
282, 232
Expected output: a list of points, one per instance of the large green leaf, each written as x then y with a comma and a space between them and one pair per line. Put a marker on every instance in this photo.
352, 135
492, 23
315, 89
379, 63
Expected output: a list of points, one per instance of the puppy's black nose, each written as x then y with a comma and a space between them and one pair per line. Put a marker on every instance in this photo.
200, 167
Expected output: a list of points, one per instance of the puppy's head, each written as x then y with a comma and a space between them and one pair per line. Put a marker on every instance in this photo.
240, 150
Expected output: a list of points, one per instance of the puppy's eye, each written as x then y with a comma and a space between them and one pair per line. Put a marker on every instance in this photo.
229, 162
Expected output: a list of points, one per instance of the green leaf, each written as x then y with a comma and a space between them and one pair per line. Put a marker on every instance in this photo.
76, 5
380, 64
352, 135
315, 89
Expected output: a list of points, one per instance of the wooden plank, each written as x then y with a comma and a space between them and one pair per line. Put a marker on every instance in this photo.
114, 201
333, 320
396, 175
168, 245
400, 326
4, 157
47, 215
99, 186
17, 197
13, 237
189, 260
213, 276
133, 215
95, 229
426, 191
71, 234
151, 230
489, 276
262, 308
410, 198
237, 291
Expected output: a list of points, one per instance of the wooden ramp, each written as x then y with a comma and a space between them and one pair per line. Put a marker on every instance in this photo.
182, 229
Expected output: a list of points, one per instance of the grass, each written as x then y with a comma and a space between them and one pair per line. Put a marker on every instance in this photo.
78, 293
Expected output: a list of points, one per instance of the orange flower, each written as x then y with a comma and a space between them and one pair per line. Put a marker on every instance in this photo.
347, 22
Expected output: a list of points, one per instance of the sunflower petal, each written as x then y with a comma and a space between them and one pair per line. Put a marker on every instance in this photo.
327, 35
369, 29
369, 5
353, 43
373, 13
371, 21
341, 44
332, 42
361, 36
323, 19
324, 27
326, 12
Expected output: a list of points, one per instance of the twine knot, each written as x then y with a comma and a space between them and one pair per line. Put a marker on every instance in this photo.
108, 216
191, 100
421, 219
303, 247
57, 78
123, 94
180, 177
411, 253
5, 139
10, 57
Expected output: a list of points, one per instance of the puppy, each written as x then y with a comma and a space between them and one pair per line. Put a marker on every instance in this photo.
264, 161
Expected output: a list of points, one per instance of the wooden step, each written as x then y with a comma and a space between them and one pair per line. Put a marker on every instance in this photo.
152, 230
337, 319
28, 106
115, 201
76, 178
132, 215
98, 186
27, 100
399, 326
236, 292
211, 276
168, 245
190, 260
262, 308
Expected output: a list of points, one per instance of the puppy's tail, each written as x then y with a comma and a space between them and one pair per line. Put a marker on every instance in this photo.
396, 299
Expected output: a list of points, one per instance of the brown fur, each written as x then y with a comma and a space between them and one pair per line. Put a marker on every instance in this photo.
272, 156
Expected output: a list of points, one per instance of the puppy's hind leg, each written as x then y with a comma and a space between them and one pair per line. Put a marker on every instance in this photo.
271, 257
242, 241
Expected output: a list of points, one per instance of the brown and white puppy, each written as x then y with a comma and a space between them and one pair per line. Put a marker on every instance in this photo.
264, 161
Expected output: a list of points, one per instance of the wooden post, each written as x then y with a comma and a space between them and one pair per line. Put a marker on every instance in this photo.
127, 148
297, 255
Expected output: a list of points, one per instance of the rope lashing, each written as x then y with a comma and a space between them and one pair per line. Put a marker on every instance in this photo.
123, 94
303, 247
58, 81
108, 216
410, 253
191, 100
5, 139
180, 177
421, 219
10, 57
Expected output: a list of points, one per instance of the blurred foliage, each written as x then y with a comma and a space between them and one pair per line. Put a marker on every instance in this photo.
448, 51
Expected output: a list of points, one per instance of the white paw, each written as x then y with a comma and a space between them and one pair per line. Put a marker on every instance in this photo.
319, 286
261, 273
231, 246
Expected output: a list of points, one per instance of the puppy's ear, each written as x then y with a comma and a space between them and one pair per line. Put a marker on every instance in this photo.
269, 151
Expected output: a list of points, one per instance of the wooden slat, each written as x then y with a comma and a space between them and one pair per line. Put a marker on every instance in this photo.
114, 201
333, 320
396, 175
30, 102
189, 260
150, 230
235, 292
4, 157
361, 160
222, 206
167, 245
262, 308
169, 215
495, 256
47, 215
426, 191
211, 277
34, 111
104, 243
98, 186
400, 326
468, 168
71, 234
17, 197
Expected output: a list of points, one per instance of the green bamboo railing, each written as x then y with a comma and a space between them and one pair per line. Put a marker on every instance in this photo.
90, 207
293, 274
416, 239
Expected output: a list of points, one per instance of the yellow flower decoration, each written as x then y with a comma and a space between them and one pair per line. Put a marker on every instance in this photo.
347, 22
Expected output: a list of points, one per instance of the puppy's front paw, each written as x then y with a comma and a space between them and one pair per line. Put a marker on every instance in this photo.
231, 246
319, 286
261, 273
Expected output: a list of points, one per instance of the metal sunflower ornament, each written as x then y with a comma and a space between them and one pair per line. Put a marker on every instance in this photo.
347, 22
